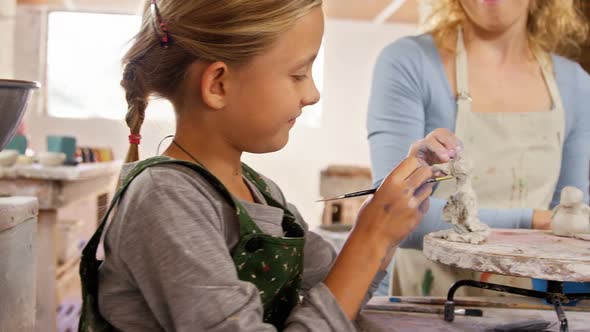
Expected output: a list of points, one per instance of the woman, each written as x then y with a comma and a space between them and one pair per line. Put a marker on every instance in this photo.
488, 70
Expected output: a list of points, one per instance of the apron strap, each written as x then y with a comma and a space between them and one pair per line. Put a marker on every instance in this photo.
544, 60
247, 226
89, 251
462, 74
290, 226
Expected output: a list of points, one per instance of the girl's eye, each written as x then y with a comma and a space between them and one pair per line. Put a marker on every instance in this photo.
299, 77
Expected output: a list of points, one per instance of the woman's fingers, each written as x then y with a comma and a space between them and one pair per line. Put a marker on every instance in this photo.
447, 138
443, 154
440, 146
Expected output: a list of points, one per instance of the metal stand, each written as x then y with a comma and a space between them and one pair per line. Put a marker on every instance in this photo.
553, 295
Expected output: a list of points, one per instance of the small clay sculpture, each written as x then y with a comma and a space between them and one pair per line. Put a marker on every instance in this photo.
461, 209
571, 217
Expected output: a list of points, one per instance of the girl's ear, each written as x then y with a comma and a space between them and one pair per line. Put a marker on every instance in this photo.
214, 83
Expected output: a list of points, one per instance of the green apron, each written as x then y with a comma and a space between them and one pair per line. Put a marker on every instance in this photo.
273, 264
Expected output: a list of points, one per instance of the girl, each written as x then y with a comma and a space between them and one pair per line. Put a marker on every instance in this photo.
200, 241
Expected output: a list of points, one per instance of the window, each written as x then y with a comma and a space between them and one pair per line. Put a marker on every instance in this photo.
84, 52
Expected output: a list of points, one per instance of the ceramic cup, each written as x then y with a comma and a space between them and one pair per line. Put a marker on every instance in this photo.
65, 144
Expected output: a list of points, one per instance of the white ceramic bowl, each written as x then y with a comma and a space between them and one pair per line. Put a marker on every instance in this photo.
8, 158
52, 158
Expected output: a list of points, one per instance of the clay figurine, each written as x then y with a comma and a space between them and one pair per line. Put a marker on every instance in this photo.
461, 209
571, 217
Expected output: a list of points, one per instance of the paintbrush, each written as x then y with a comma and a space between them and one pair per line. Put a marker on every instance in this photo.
485, 302
425, 310
372, 191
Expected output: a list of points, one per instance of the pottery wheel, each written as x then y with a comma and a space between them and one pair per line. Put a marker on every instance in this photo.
516, 252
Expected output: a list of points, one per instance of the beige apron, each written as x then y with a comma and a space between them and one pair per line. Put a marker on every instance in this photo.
517, 158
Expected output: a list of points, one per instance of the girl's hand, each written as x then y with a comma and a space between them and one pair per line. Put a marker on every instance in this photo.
438, 147
383, 221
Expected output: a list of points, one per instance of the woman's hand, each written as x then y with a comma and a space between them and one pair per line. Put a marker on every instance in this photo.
541, 219
438, 147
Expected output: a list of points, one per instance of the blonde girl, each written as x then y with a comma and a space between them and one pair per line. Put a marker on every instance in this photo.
198, 240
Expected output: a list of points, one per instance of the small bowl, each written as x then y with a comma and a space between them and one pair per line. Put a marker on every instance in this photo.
8, 158
24, 160
14, 98
51, 159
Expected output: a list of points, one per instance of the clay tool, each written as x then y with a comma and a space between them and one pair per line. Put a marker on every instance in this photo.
531, 325
372, 191
437, 301
482, 303
425, 310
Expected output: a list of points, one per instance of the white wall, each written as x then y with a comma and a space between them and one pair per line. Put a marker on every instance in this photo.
350, 51
7, 19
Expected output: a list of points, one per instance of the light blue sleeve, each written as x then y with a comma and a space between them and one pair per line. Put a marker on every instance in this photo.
396, 116
576, 149
398, 111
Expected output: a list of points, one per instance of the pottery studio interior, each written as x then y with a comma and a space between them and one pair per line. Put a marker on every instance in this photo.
296, 165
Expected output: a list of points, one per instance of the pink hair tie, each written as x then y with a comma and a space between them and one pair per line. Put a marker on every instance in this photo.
162, 32
134, 139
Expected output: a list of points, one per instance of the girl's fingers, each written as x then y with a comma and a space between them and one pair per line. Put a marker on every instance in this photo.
421, 195
418, 179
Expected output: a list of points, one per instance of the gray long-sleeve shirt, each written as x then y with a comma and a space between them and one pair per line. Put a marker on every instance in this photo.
168, 262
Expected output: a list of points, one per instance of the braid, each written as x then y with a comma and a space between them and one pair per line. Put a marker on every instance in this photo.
137, 101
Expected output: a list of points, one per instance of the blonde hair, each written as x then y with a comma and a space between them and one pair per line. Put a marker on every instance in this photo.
553, 25
232, 31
